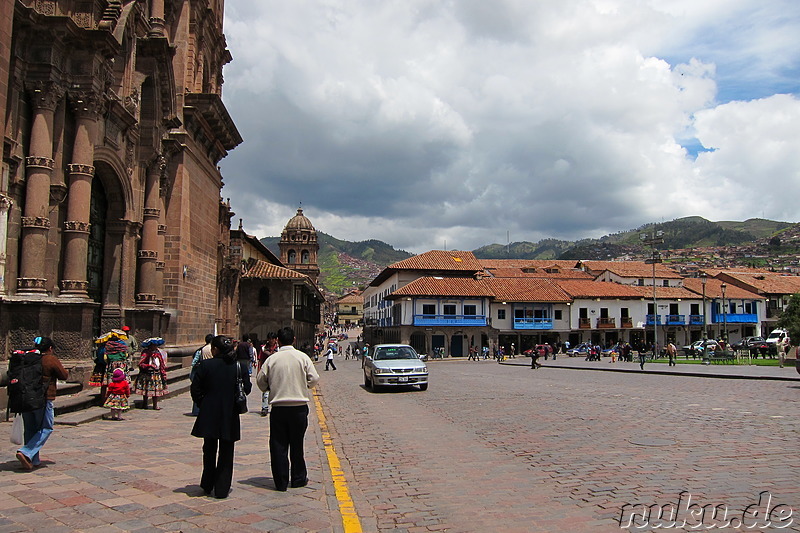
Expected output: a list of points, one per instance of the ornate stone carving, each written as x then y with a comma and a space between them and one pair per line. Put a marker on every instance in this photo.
162, 229
131, 102
46, 7
40, 162
146, 298
76, 226
160, 265
45, 94
85, 103
111, 15
152, 212
5, 202
75, 168
73, 285
36, 222
58, 191
148, 254
31, 284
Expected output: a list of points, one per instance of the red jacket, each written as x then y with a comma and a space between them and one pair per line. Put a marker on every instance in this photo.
121, 388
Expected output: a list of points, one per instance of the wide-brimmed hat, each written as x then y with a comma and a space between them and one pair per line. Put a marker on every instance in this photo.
152, 341
118, 375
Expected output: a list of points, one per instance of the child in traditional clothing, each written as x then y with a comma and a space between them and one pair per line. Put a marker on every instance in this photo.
152, 378
118, 393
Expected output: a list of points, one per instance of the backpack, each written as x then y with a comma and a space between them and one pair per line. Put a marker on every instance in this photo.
26, 389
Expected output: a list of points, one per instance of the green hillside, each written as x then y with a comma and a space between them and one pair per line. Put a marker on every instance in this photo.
346, 264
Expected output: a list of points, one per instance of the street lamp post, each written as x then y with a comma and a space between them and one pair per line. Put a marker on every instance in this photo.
657, 237
703, 279
724, 314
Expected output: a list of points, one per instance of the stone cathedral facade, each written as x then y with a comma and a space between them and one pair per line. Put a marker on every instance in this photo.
110, 207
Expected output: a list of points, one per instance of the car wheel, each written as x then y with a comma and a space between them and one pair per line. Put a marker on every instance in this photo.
423, 386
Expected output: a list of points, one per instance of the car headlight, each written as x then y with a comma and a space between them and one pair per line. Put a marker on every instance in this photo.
424, 369
382, 370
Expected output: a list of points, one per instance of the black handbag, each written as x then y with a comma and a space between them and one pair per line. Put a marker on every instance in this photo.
241, 396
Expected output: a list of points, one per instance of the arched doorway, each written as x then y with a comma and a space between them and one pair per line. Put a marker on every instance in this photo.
95, 261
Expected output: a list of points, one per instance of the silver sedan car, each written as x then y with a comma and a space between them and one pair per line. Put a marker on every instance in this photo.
394, 365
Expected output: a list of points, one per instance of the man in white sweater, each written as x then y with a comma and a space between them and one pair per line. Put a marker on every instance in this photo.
287, 374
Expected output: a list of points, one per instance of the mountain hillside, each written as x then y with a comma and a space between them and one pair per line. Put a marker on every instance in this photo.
346, 264
689, 232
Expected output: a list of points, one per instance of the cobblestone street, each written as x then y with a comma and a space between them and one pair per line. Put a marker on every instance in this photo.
492, 447
487, 448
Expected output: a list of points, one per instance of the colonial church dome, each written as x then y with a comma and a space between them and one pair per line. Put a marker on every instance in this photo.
299, 221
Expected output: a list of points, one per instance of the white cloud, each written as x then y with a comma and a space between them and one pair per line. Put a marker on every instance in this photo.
417, 122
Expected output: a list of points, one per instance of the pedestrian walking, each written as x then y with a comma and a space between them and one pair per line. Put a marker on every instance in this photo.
672, 353
642, 358
288, 374
269, 349
783, 347
32, 377
152, 378
204, 352
117, 394
329, 357
214, 390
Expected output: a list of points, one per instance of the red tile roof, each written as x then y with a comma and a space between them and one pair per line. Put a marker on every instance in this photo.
435, 286
597, 289
440, 260
631, 269
766, 283
351, 299
257, 269
665, 293
714, 289
527, 290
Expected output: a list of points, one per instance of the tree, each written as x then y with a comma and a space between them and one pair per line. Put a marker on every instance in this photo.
790, 318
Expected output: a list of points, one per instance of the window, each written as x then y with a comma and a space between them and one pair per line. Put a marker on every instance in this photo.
263, 297
428, 309
750, 308
641, 282
694, 309
624, 313
673, 309
501, 314
470, 310
665, 283
449, 309
604, 312
583, 312
557, 314
292, 257
305, 257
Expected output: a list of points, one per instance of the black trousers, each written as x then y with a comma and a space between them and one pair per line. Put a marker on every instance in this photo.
287, 429
217, 469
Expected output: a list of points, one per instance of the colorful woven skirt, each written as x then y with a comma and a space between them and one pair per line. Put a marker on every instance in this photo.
148, 384
117, 401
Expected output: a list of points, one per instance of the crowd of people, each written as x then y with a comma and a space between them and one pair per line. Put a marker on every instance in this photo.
221, 378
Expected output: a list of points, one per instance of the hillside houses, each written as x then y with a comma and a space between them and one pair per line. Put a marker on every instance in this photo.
451, 300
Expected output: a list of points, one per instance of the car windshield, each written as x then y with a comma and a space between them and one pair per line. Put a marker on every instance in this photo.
774, 335
395, 352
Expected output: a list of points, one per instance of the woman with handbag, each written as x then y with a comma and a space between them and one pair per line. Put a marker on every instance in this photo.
218, 387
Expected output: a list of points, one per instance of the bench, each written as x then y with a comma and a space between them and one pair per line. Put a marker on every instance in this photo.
725, 357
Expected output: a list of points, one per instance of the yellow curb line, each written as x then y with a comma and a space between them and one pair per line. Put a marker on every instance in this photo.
347, 509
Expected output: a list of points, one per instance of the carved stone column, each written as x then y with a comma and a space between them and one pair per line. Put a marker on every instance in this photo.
5, 205
148, 253
81, 171
157, 21
39, 168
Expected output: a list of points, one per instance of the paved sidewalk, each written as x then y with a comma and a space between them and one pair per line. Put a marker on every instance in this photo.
724, 371
142, 474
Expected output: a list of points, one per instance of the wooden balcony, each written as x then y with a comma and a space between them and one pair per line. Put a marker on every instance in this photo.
626, 322
585, 323
606, 323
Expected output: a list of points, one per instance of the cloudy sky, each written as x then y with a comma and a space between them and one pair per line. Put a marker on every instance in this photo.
456, 123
